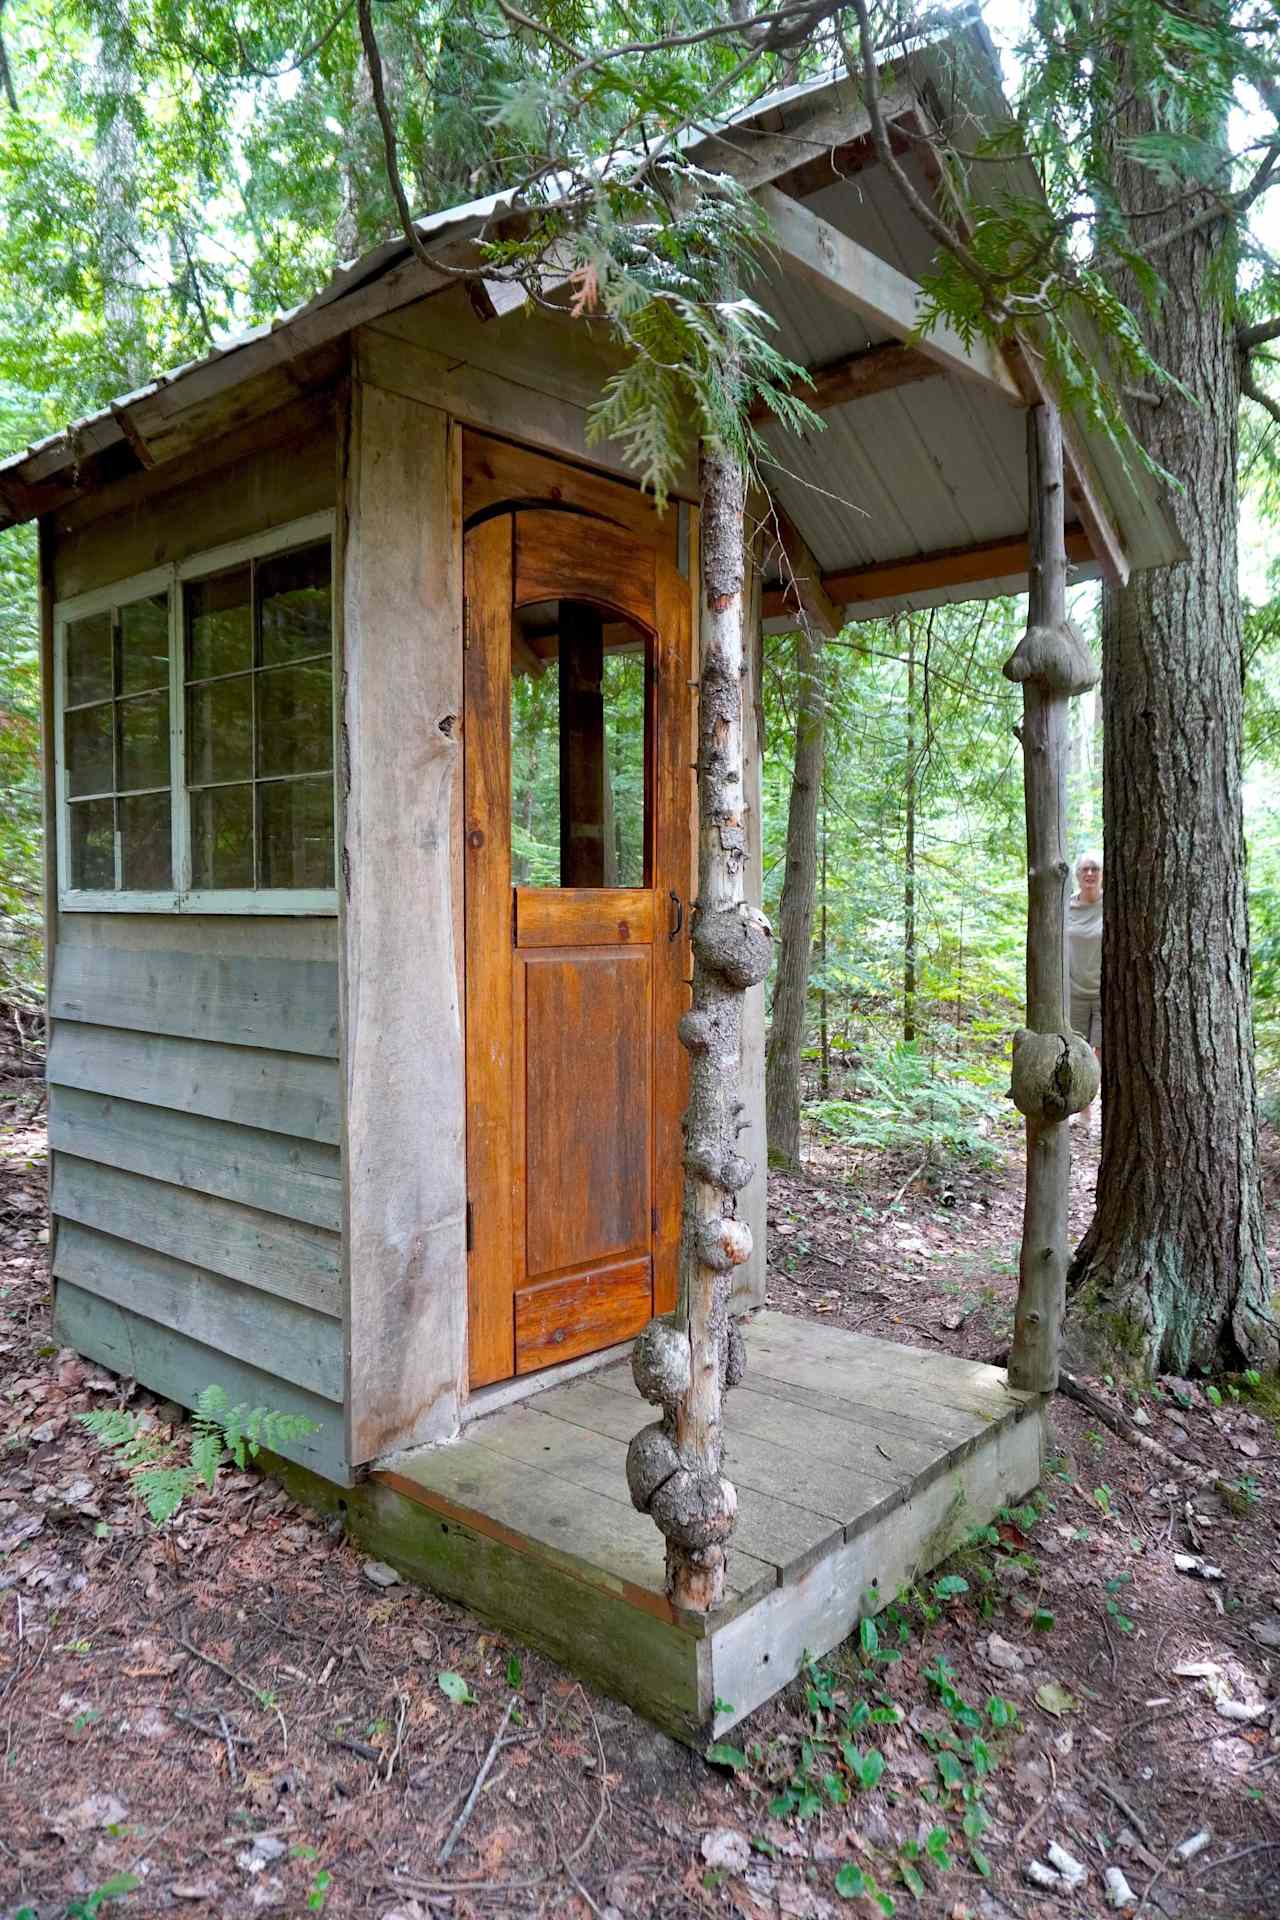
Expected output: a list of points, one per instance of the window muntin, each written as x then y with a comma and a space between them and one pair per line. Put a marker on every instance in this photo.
116, 748
259, 723
195, 756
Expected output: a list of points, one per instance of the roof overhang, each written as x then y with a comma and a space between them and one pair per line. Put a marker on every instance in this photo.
914, 493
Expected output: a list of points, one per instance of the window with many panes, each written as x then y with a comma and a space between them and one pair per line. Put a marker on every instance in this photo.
116, 748
196, 734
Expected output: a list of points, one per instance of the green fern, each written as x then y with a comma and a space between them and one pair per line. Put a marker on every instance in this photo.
161, 1478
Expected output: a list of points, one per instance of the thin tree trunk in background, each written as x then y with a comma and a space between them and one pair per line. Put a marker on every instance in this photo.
795, 909
909, 884
684, 1363
824, 1032
1173, 1272
1054, 1071
115, 161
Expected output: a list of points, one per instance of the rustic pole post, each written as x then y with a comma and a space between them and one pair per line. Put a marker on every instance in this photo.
1054, 1070
684, 1362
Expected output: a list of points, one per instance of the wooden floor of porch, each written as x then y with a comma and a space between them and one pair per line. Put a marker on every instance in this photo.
859, 1464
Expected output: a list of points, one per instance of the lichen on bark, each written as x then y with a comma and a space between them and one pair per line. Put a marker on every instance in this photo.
684, 1363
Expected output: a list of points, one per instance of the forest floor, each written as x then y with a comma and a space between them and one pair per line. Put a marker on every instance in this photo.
234, 1715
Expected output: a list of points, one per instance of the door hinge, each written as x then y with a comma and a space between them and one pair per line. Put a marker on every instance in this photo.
653, 1219
466, 622
471, 1226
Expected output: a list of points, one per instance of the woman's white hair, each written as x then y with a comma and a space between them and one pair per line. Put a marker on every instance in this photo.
1092, 856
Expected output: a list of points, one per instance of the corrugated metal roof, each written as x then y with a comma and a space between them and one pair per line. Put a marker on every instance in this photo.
931, 467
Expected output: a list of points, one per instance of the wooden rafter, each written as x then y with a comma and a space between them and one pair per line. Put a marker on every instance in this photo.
851, 274
924, 572
855, 376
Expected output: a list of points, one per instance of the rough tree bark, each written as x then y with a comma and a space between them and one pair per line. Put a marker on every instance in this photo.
1173, 1271
795, 908
1054, 1070
684, 1362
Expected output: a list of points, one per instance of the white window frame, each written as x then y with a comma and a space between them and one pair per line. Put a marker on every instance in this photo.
183, 898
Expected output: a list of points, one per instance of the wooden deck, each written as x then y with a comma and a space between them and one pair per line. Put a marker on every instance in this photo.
859, 1464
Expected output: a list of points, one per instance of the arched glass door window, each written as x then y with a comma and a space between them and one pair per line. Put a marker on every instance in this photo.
580, 748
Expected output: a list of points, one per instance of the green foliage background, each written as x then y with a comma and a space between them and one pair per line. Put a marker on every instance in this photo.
170, 173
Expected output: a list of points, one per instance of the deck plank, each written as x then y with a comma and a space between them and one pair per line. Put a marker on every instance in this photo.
852, 1355
858, 1441
771, 1464
892, 1407
931, 1388
603, 1541
787, 1534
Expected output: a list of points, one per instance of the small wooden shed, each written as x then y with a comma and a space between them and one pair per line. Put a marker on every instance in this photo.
369, 724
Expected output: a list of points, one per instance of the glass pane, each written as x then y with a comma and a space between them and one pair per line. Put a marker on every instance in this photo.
219, 625
89, 659
91, 837
578, 757
624, 680
293, 597
88, 736
535, 770
146, 846
297, 833
144, 741
220, 730
144, 644
295, 720
222, 837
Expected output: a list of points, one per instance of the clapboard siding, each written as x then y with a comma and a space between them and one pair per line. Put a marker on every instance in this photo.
287, 1005
303, 1347
284, 1257
298, 1179
285, 1093
172, 1363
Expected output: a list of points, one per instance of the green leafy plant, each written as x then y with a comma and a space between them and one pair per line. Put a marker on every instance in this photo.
1112, 1588
220, 1432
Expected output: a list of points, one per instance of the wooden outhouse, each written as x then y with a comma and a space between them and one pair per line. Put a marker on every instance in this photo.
369, 721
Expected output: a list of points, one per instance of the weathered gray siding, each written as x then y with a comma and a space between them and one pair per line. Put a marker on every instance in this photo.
196, 1189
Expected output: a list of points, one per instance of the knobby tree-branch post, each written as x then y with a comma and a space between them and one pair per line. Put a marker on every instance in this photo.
1054, 1070
684, 1363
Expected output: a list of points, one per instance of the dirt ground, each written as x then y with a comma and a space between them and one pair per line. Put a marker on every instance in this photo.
234, 1715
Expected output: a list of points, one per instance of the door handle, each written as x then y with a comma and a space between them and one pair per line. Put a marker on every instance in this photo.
678, 904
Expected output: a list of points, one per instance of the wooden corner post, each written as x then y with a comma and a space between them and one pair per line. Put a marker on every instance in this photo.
684, 1362
1054, 1070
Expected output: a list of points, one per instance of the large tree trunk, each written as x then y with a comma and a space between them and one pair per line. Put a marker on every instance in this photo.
683, 1364
1173, 1271
795, 909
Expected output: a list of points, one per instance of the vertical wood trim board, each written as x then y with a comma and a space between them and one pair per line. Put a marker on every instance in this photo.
402, 706
490, 972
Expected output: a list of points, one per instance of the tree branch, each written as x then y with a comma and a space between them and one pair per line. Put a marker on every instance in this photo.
1247, 338
1252, 391
944, 235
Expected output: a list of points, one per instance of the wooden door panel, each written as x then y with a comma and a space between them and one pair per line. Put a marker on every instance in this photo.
559, 1319
566, 556
584, 916
575, 1079
588, 1051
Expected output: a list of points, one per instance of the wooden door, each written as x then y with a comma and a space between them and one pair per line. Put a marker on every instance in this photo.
577, 864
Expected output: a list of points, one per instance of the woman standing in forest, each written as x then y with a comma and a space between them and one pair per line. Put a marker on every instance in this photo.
1084, 955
